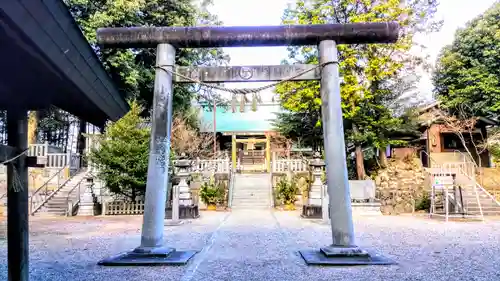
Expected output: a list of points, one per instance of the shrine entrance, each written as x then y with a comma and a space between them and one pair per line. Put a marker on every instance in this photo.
343, 250
251, 153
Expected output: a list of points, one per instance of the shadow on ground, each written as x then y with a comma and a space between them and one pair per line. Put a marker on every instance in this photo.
262, 245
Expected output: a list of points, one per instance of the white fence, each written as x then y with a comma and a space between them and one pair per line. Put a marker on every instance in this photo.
292, 165
223, 165
53, 157
42, 149
214, 165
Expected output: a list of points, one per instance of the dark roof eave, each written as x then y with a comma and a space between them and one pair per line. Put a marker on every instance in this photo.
84, 88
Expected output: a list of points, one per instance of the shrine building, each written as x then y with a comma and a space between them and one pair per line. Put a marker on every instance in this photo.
245, 131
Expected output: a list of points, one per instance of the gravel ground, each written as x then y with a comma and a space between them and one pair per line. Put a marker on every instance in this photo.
261, 245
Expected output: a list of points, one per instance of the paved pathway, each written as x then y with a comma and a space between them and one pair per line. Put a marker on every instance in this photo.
262, 245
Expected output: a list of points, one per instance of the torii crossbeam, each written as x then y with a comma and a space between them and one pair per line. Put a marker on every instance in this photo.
343, 250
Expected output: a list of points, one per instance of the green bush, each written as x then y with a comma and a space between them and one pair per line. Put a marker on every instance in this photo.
423, 203
212, 192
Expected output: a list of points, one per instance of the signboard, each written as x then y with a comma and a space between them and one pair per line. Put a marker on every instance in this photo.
443, 181
252, 73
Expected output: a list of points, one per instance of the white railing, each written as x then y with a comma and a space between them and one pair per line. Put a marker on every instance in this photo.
200, 166
54, 158
292, 165
42, 149
50, 158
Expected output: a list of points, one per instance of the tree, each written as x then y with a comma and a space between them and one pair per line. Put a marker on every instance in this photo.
494, 145
300, 127
133, 69
468, 70
187, 138
368, 71
122, 154
463, 125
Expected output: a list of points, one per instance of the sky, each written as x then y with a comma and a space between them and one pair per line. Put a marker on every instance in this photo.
455, 13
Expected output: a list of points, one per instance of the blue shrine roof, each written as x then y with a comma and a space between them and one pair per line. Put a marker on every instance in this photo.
247, 121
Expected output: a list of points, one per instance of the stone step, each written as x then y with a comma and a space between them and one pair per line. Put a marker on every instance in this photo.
58, 203
55, 203
256, 204
251, 188
54, 214
254, 198
251, 192
251, 207
251, 203
55, 211
261, 204
251, 198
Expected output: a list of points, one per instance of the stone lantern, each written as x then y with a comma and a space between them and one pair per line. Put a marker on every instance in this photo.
313, 207
187, 210
183, 166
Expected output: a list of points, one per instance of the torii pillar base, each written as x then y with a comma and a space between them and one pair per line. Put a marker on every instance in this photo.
157, 256
343, 256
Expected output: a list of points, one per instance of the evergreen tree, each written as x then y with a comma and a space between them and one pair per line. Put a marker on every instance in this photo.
468, 70
122, 154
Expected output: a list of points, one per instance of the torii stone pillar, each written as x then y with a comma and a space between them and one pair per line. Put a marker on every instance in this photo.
151, 250
343, 250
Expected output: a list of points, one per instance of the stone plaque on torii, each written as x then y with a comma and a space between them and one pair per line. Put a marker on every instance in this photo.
343, 250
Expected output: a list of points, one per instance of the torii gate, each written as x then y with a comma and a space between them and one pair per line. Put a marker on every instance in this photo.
343, 250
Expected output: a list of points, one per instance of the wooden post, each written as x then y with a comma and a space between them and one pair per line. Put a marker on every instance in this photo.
17, 198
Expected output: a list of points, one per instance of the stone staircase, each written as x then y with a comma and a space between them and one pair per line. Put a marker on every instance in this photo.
486, 204
58, 204
474, 198
252, 191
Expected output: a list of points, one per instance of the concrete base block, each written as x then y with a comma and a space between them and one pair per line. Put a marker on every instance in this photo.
340, 256
159, 256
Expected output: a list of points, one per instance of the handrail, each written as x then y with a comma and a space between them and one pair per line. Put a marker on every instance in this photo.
461, 200
69, 211
477, 167
484, 190
45, 184
49, 197
476, 183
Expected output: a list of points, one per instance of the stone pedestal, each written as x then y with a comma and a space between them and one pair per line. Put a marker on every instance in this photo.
313, 209
185, 212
